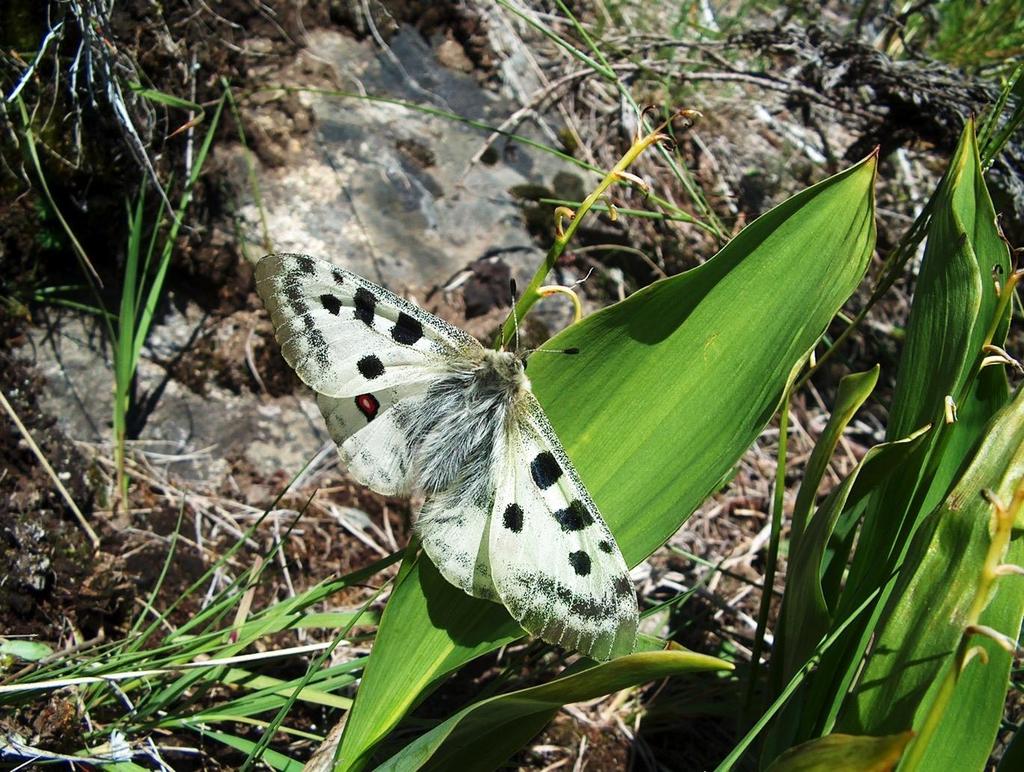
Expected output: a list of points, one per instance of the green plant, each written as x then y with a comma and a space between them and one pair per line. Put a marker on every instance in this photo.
673, 361
970, 35
141, 288
161, 669
145, 268
892, 568
711, 354
671, 386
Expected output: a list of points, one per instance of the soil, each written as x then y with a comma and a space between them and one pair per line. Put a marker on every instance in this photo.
51, 570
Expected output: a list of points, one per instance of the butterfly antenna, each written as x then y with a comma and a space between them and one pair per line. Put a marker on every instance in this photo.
572, 350
515, 318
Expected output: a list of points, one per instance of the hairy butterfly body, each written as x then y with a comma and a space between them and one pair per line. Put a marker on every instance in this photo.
417, 406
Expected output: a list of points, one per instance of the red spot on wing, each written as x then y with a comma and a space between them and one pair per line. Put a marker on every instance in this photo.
368, 405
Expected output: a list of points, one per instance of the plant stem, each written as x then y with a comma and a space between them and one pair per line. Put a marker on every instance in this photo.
771, 562
530, 294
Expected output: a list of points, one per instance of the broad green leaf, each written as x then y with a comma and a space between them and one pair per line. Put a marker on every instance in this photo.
843, 753
483, 735
668, 390
926, 616
966, 735
955, 302
672, 385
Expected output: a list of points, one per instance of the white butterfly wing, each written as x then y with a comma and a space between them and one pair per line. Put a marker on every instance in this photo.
369, 431
346, 336
554, 563
454, 532
528, 535
369, 354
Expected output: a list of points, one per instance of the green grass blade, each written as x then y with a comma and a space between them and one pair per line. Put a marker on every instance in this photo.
672, 210
154, 593
163, 98
854, 389
603, 70
150, 251
771, 561
270, 693
33, 153
991, 138
156, 286
123, 345
256, 754
670, 387
955, 303
485, 734
927, 614
679, 170
272, 759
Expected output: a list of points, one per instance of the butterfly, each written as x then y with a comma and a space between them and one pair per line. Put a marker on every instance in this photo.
420, 407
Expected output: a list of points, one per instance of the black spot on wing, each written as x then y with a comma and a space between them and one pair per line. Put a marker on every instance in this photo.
580, 562
597, 608
296, 300
606, 546
513, 518
574, 517
338, 278
365, 302
331, 304
318, 346
623, 586
407, 330
306, 264
545, 470
370, 367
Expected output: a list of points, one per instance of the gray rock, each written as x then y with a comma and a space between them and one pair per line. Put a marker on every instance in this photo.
390, 192
192, 435
385, 191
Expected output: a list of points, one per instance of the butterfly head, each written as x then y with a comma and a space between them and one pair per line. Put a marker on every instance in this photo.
506, 368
